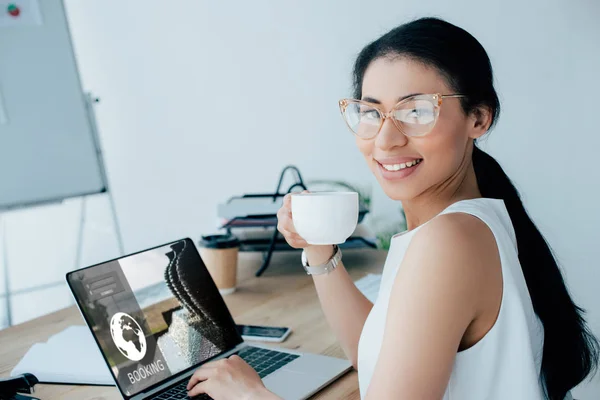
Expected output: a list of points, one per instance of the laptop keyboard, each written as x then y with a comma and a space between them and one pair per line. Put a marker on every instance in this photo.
263, 361
179, 392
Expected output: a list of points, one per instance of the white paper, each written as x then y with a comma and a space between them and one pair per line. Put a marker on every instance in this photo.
71, 356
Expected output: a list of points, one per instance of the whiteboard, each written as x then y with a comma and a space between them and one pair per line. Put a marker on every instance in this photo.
48, 144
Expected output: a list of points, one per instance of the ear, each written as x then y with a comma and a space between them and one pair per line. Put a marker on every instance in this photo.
480, 122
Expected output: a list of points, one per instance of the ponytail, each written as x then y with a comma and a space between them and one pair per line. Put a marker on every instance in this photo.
570, 350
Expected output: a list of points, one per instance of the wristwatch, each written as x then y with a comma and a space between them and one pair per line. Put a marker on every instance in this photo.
323, 268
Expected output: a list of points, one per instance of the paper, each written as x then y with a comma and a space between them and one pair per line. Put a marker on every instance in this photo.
71, 356
369, 286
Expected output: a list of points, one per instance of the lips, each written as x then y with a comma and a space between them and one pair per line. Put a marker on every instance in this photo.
398, 168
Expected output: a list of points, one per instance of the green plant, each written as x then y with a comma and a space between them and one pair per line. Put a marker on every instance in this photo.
384, 237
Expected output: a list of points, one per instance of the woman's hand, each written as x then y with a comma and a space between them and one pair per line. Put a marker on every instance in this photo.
285, 225
228, 378
316, 254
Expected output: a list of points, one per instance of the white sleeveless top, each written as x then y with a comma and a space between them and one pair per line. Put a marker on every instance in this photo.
505, 363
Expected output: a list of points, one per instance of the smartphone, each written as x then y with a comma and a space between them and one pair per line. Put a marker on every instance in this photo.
263, 333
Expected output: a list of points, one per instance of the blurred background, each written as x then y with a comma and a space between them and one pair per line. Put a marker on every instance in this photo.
203, 100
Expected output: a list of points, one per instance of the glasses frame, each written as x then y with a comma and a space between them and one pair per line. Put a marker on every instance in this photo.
435, 98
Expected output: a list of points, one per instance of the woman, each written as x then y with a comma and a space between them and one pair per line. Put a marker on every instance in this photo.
472, 304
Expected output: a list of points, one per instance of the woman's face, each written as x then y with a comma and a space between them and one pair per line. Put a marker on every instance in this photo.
444, 152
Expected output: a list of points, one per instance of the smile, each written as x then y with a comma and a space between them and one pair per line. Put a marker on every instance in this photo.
398, 167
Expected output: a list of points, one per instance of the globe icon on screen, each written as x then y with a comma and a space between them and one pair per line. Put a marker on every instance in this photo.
128, 336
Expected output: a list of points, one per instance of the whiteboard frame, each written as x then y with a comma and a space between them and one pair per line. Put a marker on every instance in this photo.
89, 101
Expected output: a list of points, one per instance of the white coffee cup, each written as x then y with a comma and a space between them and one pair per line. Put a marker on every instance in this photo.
325, 217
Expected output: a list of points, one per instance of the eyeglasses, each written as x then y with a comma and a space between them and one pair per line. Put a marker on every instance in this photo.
414, 116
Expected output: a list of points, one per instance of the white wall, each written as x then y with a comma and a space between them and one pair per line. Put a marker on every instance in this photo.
202, 100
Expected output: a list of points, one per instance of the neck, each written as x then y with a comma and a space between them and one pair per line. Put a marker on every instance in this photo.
460, 186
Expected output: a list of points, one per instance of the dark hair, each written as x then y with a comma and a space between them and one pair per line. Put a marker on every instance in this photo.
570, 350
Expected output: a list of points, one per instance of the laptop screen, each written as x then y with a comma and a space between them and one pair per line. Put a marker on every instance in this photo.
154, 314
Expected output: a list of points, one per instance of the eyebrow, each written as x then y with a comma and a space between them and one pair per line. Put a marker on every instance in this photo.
372, 100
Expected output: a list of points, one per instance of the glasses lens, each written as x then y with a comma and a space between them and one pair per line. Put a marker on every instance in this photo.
362, 119
416, 116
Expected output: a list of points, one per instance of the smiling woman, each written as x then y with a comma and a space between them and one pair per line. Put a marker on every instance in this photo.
472, 304
427, 158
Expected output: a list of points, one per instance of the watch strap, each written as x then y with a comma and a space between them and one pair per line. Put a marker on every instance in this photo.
325, 268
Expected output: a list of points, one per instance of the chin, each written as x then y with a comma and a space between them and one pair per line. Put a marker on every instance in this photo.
397, 191
398, 194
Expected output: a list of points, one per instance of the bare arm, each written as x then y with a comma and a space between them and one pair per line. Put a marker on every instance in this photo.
444, 277
344, 306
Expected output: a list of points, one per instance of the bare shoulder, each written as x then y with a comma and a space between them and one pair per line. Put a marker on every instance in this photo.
456, 251
442, 286
456, 235
438, 298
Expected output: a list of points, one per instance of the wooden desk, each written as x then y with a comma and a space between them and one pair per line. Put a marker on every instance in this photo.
284, 296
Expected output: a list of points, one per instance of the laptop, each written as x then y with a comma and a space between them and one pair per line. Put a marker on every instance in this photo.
157, 316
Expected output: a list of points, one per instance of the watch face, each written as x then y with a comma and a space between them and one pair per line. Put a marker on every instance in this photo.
304, 260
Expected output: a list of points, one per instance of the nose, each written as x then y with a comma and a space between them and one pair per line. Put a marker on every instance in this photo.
390, 136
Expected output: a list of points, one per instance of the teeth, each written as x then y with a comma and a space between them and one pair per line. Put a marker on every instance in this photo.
398, 167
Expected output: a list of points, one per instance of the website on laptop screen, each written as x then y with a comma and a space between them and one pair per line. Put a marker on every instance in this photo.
154, 314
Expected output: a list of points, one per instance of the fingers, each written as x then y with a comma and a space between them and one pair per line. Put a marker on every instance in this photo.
287, 201
286, 228
285, 223
238, 362
200, 375
198, 389
294, 239
209, 373
284, 212
206, 371
235, 358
